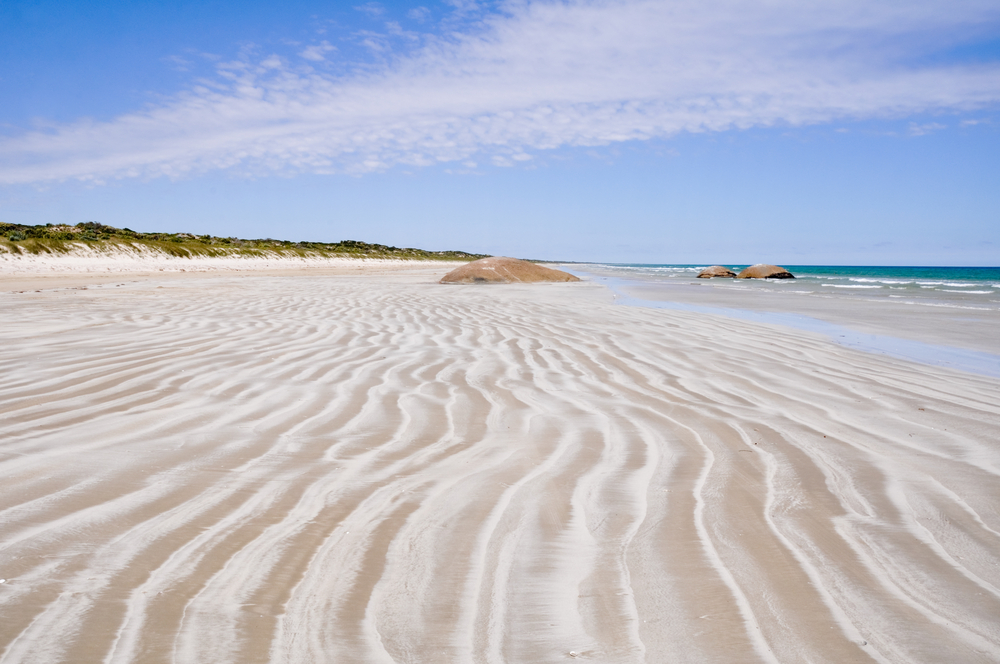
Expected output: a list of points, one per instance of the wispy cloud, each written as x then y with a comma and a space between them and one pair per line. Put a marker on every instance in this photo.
317, 52
420, 14
177, 62
538, 76
925, 128
373, 9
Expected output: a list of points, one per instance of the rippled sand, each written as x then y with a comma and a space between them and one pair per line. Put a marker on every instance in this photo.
383, 469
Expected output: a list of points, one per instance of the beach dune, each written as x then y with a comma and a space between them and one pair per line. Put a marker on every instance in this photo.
375, 468
503, 270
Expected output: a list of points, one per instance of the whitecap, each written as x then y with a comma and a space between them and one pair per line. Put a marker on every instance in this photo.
953, 284
881, 281
849, 286
977, 292
951, 306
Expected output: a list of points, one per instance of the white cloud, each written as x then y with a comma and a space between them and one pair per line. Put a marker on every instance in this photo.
177, 62
317, 52
463, 5
542, 75
375, 42
924, 129
419, 14
396, 30
373, 9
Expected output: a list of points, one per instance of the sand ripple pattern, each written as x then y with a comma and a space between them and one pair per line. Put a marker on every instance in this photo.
343, 470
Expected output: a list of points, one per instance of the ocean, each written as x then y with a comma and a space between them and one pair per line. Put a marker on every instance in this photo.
958, 287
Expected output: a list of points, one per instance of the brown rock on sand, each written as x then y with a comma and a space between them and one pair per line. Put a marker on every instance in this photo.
716, 271
501, 270
764, 271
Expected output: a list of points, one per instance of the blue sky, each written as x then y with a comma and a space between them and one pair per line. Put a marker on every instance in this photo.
719, 131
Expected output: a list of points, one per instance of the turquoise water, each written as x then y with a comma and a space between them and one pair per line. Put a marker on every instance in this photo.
961, 287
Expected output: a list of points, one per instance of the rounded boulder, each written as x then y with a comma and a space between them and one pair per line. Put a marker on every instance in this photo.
764, 271
716, 271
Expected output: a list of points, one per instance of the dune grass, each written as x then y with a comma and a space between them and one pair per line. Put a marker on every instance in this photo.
51, 239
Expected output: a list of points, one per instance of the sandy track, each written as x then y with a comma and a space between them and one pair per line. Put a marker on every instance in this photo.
338, 469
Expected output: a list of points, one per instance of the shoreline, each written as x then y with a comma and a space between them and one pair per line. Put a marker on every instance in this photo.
927, 333
960, 338
950, 357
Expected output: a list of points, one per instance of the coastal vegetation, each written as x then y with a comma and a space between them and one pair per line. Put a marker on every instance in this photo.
57, 239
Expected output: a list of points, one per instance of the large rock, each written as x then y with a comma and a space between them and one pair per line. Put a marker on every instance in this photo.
763, 271
716, 271
500, 270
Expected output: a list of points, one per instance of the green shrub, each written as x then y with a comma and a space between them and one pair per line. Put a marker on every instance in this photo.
57, 239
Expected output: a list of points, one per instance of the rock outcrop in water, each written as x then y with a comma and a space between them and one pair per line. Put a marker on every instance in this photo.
501, 270
764, 271
716, 271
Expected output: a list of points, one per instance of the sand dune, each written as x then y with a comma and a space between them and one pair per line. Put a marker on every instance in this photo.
504, 270
136, 258
382, 469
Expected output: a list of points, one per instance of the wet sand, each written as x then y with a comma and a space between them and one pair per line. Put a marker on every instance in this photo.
948, 324
321, 467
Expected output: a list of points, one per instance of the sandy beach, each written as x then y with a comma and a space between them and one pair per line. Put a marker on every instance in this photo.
358, 464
